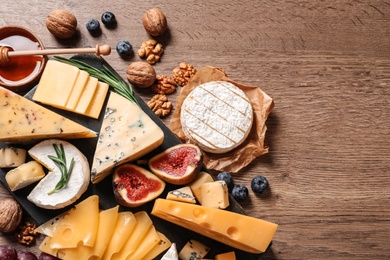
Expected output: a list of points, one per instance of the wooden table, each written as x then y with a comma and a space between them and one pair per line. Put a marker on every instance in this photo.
326, 64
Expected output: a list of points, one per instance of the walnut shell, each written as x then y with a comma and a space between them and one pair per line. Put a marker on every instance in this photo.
10, 215
61, 23
141, 74
154, 21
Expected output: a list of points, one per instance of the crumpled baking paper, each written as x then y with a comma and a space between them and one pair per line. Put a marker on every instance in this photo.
253, 146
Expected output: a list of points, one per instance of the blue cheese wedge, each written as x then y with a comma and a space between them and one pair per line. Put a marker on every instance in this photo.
126, 134
217, 116
193, 250
183, 194
75, 187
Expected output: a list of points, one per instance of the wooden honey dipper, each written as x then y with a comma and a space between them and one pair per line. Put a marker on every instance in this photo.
6, 52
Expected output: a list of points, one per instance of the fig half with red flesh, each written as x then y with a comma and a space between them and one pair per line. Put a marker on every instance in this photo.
134, 185
179, 164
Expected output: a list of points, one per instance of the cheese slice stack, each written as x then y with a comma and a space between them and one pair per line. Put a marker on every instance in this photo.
66, 87
22, 120
84, 232
236, 230
217, 116
126, 134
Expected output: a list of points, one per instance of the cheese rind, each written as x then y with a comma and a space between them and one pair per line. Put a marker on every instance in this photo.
236, 230
12, 157
126, 134
217, 116
22, 120
24, 175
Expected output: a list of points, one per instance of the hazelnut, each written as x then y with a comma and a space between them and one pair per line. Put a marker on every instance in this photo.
61, 23
10, 215
141, 74
154, 21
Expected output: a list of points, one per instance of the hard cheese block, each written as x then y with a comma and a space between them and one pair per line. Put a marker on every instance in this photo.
193, 249
217, 116
126, 134
22, 120
215, 194
239, 231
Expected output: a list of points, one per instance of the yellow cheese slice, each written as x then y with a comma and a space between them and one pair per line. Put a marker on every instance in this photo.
56, 83
49, 226
195, 186
24, 175
107, 221
236, 230
78, 88
126, 134
45, 247
161, 246
96, 104
80, 225
150, 240
86, 95
143, 224
124, 227
22, 120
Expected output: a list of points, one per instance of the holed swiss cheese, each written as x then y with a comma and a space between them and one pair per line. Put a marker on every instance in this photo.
217, 116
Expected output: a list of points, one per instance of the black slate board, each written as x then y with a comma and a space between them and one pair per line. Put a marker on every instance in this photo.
175, 233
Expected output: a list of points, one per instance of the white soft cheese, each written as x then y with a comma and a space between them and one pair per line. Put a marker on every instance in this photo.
78, 181
217, 116
171, 254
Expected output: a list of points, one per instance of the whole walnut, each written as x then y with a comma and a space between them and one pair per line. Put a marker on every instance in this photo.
154, 21
61, 23
10, 215
141, 74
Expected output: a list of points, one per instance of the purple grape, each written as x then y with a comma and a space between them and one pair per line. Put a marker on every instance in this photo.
26, 255
8, 253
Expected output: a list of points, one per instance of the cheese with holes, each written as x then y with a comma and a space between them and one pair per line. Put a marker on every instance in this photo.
195, 186
215, 194
79, 226
22, 120
163, 244
76, 185
193, 249
183, 194
236, 230
56, 83
143, 224
126, 134
24, 175
12, 157
125, 225
217, 116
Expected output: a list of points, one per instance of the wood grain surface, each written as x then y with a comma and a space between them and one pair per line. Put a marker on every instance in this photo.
326, 64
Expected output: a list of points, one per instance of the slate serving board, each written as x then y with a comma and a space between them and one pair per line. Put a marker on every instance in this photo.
175, 233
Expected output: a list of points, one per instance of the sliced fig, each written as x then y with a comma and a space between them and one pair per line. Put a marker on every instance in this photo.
179, 164
134, 185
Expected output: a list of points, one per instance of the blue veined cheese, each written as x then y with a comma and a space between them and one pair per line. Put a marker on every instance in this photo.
183, 194
193, 250
126, 134
217, 115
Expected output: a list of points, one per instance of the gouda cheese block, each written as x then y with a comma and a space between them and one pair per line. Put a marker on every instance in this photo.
236, 230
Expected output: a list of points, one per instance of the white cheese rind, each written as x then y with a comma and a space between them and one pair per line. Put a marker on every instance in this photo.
217, 115
78, 181
126, 134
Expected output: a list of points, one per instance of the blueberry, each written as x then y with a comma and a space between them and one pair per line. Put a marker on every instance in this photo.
259, 184
108, 19
227, 177
124, 48
93, 26
240, 192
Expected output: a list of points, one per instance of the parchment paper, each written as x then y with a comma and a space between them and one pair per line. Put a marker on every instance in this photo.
253, 146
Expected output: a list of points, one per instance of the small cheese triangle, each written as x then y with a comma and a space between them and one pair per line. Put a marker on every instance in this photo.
22, 120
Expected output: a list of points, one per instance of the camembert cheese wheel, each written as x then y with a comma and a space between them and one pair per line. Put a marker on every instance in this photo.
217, 116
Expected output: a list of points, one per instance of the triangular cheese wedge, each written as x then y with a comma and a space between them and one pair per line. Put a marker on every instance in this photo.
126, 134
22, 120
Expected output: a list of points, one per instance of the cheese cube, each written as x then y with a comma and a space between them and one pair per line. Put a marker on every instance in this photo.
24, 175
226, 256
215, 194
183, 194
195, 186
12, 157
193, 250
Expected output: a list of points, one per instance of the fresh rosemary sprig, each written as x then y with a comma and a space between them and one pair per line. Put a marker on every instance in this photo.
105, 75
60, 161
